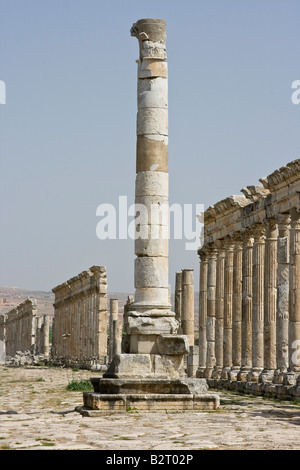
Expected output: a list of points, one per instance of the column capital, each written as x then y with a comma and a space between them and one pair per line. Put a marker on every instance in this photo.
271, 228
212, 250
220, 247
247, 238
283, 222
203, 253
229, 243
259, 233
295, 217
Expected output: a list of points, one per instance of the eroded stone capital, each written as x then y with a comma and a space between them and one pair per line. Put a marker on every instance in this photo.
151, 34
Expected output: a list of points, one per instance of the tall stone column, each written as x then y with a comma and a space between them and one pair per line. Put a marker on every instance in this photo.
151, 299
46, 329
187, 306
216, 374
237, 308
257, 303
116, 337
211, 312
113, 316
294, 300
270, 297
282, 315
178, 297
228, 298
202, 312
246, 307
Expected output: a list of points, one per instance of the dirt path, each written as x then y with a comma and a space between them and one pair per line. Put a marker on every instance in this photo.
37, 412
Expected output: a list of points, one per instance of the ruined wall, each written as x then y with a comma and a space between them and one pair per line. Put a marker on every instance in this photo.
79, 333
22, 330
249, 305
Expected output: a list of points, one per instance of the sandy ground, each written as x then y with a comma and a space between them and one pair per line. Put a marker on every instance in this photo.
37, 413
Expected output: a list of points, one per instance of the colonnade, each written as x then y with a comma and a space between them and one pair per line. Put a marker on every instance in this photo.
249, 300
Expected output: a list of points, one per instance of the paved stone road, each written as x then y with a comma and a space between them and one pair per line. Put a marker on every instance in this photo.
37, 412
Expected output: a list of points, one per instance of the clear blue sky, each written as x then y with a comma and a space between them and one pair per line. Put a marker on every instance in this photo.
68, 128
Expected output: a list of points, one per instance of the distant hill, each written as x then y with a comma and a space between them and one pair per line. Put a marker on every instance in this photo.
10, 297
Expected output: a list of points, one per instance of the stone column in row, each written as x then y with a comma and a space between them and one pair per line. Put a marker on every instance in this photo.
294, 300
257, 303
178, 297
113, 316
236, 308
187, 305
246, 362
219, 244
211, 312
46, 340
270, 296
202, 312
116, 337
228, 298
282, 314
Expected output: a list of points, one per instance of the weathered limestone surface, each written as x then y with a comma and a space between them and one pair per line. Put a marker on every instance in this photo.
262, 336
81, 319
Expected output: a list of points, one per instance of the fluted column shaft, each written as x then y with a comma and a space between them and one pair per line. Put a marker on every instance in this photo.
202, 312
228, 299
270, 284
294, 300
178, 297
187, 312
246, 307
258, 304
220, 263
282, 314
237, 309
211, 313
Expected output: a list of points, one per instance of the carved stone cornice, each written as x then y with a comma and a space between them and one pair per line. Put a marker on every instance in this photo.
283, 176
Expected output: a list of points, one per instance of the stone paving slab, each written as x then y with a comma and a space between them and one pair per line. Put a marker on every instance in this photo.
37, 412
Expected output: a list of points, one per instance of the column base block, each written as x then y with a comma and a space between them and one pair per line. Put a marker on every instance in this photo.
96, 404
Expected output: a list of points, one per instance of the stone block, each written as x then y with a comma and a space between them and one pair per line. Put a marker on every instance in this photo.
152, 247
152, 99
144, 325
129, 365
152, 121
157, 295
143, 344
173, 344
151, 272
153, 69
152, 183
